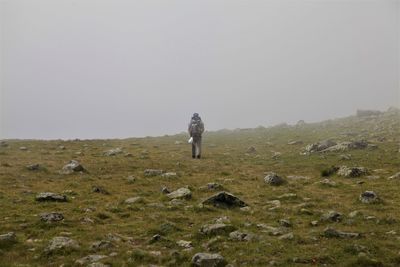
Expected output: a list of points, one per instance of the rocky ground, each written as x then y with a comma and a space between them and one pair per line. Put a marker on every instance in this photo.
324, 194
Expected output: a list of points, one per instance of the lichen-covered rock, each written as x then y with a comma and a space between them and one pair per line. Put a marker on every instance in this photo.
8, 239
369, 197
217, 229
71, 167
51, 217
181, 193
333, 233
332, 216
352, 171
61, 244
273, 179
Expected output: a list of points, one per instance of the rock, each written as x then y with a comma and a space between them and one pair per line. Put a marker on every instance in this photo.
344, 146
217, 229
314, 223
61, 243
240, 236
273, 179
133, 200
23, 148
48, 196
287, 196
223, 219
352, 171
251, 150
328, 182
355, 213
395, 176
297, 142
33, 167
332, 216
131, 179
184, 244
100, 189
98, 264
212, 186
72, 166
182, 193
153, 172
8, 239
369, 197
177, 202
208, 260
101, 245
169, 175
288, 236
345, 157
51, 217
3, 144
275, 231
276, 204
90, 259
113, 152
332, 233
178, 142
165, 190
224, 200
319, 146
285, 223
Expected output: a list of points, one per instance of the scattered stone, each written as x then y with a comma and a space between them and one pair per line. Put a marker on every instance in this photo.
369, 197
212, 186
274, 231
61, 147
101, 245
240, 236
133, 200
153, 172
23, 148
165, 190
297, 142
113, 152
51, 217
223, 219
176, 202
169, 175
208, 260
251, 150
355, 213
287, 196
395, 176
72, 166
224, 200
182, 193
184, 244
8, 239
319, 146
178, 142
217, 229
48, 196
285, 223
276, 204
332, 216
332, 233
90, 259
314, 223
328, 182
345, 157
61, 243
288, 236
344, 146
273, 179
33, 167
3, 144
131, 179
352, 171
100, 189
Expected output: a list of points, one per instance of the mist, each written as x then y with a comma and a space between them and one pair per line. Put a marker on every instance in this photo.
116, 69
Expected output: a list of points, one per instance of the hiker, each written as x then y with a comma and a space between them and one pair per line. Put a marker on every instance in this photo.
196, 129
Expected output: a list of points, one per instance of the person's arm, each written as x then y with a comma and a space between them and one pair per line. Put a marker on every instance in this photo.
190, 129
202, 127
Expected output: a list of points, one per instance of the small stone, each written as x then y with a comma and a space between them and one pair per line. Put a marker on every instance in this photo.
61, 243
351, 171
133, 200
224, 200
23, 148
113, 152
355, 213
169, 175
208, 260
33, 167
328, 182
288, 236
394, 176
273, 179
72, 166
314, 223
332, 233
285, 223
101, 245
165, 190
90, 259
8, 239
332, 216
153, 172
51, 217
100, 189
240, 236
184, 244
182, 193
217, 229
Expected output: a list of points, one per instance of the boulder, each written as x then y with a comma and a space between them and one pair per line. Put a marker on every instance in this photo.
369, 197
8, 239
273, 179
72, 166
208, 260
319, 146
48, 196
224, 200
181, 193
352, 171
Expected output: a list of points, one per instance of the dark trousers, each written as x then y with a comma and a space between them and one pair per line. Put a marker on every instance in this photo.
196, 147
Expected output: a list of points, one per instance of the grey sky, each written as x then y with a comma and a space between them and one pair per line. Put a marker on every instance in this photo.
96, 69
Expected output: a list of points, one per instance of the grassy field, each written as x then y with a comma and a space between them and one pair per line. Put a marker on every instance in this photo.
91, 216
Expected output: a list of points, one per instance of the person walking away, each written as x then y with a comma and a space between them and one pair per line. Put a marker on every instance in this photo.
196, 129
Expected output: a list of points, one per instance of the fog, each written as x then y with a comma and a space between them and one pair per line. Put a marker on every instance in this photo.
115, 69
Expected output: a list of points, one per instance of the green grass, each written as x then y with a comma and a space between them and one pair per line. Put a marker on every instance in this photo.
224, 161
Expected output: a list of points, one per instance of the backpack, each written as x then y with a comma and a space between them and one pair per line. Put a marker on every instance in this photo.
196, 127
